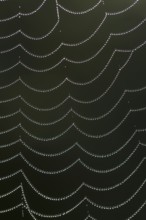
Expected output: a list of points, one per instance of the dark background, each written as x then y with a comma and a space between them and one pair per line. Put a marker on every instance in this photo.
73, 29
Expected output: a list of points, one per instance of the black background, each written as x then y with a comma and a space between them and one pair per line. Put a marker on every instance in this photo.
73, 29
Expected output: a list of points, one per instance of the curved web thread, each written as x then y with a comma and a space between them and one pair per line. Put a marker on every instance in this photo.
24, 203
